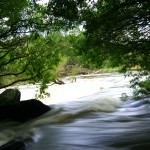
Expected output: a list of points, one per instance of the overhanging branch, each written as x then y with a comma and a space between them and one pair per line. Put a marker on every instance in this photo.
12, 60
15, 74
14, 82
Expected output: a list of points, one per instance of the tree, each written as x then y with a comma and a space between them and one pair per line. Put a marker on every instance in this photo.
119, 30
115, 30
28, 51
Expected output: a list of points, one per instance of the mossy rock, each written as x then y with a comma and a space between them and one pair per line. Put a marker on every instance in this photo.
10, 96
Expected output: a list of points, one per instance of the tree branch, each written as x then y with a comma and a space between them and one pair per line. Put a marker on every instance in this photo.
15, 74
14, 82
3, 56
11, 60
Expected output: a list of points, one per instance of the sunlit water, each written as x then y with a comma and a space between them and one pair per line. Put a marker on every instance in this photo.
87, 114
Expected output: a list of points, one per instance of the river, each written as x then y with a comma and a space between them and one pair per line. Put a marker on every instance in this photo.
93, 112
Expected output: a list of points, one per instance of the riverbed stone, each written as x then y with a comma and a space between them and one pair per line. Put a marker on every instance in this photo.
23, 111
10, 96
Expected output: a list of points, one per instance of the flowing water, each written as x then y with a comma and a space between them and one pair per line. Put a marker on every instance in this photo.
89, 113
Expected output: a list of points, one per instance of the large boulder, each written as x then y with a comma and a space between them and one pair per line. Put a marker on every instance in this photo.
23, 111
10, 96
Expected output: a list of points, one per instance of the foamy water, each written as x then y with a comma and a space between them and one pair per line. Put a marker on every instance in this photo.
112, 86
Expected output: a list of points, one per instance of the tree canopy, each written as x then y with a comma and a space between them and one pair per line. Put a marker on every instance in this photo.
121, 30
27, 52
117, 31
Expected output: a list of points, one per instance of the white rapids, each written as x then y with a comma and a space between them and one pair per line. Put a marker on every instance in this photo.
85, 86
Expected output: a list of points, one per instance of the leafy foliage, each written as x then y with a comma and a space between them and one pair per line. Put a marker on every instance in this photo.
115, 31
66, 12
144, 87
26, 52
119, 31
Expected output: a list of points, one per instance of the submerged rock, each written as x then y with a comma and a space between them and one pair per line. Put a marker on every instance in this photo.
10, 96
23, 111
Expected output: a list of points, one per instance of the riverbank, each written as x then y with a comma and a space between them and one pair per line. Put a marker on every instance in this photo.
74, 70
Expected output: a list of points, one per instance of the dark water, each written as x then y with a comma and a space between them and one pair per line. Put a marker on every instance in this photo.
126, 128
97, 123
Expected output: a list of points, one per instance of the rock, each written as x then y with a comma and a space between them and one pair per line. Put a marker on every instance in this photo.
58, 81
23, 111
143, 146
10, 96
13, 145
